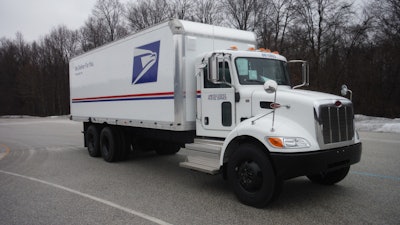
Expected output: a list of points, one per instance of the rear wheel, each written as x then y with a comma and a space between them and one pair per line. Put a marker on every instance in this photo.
93, 141
109, 144
252, 176
331, 177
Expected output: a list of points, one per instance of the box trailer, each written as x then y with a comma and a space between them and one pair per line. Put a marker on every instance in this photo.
207, 91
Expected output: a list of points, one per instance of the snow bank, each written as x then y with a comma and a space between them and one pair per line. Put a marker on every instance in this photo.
377, 124
362, 123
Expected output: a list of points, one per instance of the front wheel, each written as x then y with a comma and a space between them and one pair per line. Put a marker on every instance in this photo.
252, 176
331, 177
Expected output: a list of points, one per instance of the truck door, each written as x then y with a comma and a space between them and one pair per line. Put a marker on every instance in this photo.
218, 100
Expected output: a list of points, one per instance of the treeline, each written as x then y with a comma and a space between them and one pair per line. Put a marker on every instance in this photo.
343, 43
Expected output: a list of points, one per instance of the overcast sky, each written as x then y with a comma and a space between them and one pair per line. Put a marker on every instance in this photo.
35, 18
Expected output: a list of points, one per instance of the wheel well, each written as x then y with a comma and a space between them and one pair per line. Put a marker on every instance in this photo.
235, 143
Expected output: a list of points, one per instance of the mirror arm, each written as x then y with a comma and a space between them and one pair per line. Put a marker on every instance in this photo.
346, 90
305, 73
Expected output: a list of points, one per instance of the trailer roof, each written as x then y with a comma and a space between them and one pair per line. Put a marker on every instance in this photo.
187, 28
201, 29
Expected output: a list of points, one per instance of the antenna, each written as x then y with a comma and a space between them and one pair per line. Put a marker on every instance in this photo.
213, 37
273, 112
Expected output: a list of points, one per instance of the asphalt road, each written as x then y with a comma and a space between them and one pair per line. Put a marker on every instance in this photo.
47, 177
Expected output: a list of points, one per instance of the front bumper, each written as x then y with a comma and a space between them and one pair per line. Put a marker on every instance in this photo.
289, 165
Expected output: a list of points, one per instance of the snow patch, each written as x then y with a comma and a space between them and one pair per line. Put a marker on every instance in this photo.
362, 122
377, 124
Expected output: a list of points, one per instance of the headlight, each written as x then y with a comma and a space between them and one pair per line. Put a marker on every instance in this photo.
288, 142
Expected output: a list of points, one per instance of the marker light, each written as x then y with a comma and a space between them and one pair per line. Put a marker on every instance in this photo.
288, 142
275, 52
276, 142
234, 47
251, 49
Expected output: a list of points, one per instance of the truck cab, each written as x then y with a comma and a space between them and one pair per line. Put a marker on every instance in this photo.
257, 129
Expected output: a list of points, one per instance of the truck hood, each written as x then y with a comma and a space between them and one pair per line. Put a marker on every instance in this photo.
294, 98
299, 108
286, 92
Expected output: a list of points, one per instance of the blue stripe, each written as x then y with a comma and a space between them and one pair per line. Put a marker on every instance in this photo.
124, 99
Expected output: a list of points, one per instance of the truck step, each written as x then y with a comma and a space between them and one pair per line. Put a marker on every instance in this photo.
202, 164
205, 145
208, 141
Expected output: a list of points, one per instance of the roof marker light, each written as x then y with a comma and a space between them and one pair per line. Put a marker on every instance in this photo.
234, 47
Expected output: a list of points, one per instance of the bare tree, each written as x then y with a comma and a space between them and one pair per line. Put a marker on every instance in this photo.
319, 23
142, 14
92, 34
110, 13
386, 39
207, 11
241, 14
182, 9
274, 22
387, 15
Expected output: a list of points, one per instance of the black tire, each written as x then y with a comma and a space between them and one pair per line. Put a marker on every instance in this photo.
93, 141
252, 176
123, 145
109, 144
331, 177
166, 148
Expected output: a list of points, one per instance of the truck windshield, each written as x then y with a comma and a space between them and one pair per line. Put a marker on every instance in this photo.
258, 70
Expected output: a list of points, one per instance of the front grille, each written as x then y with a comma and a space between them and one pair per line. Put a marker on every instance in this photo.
336, 122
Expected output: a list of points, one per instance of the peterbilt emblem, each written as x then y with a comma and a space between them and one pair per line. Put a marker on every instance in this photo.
338, 104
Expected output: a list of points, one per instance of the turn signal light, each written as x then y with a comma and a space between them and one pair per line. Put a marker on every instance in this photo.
288, 142
276, 142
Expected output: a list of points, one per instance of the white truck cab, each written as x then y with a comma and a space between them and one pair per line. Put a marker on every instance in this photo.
247, 102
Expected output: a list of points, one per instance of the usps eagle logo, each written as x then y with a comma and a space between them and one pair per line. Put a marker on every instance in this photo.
145, 63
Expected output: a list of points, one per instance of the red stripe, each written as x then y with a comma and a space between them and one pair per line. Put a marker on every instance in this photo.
125, 96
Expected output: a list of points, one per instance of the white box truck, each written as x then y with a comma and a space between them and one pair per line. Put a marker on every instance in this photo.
229, 108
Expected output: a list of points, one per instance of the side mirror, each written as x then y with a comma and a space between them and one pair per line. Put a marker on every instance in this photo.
270, 86
305, 73
346, 90
213, 72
